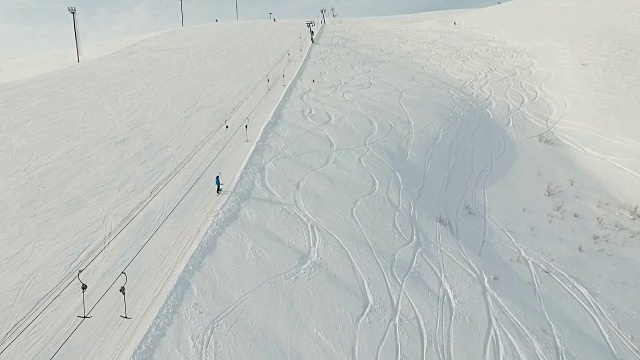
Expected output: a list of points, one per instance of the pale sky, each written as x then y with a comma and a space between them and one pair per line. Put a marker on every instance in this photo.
34, 26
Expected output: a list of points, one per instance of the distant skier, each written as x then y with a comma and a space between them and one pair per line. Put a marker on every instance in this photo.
218, 184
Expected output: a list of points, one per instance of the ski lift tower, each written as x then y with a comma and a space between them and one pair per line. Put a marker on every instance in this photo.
72, 10
181, 14
309, 23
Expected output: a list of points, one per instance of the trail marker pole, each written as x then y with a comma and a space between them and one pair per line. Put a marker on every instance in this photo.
84, 308
268, 84
237, 11
246, 130
124, 296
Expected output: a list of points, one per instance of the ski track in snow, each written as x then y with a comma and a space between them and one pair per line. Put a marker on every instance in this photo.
370, 221
426, 285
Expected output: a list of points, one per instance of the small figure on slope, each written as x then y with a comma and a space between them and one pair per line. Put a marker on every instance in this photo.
218, 184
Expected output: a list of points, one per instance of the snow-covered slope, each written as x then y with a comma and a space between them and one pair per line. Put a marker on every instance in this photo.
418, 195
109, 167
424, 190
19, 68
33, 26
589, 51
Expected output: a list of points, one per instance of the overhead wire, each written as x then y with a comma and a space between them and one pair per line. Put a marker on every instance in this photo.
132, 215
259, 102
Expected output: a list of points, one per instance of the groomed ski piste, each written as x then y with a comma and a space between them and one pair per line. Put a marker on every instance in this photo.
410, 189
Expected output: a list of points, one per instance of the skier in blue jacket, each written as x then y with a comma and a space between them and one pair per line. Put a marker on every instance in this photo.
218, 184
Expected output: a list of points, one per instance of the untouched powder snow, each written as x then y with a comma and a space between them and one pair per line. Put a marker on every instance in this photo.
420, 193
19, 68
109, 167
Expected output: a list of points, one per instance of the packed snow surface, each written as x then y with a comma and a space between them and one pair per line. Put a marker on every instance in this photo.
109, 168
422, 190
